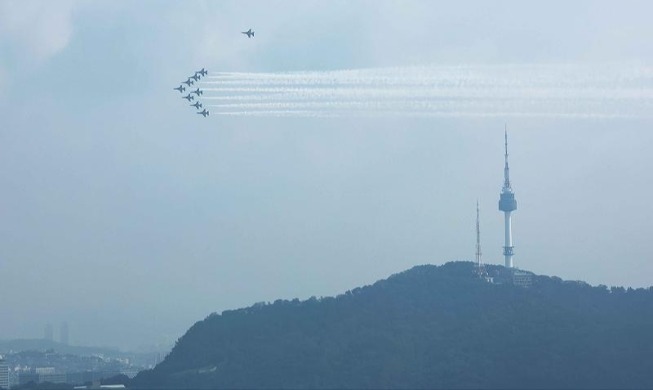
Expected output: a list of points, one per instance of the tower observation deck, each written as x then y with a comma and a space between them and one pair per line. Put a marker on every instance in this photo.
507, 204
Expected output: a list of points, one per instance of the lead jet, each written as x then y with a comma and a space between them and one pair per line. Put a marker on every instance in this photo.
205, 113
195, 77
202, 72
189, 97
197, 92
197, 105
249, 33
181, 89
188, 82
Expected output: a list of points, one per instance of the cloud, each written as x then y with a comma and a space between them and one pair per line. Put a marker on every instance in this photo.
39, 29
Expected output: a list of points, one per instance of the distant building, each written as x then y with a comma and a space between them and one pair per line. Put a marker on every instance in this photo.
13, 378
64, 333
48, 334
4, 374
55, 377
78, 378
44, 370
50, 374
42, 374
27, 377
97, 385
522, 278
130, 373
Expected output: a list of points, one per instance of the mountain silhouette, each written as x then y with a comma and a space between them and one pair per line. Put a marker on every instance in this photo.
427, 327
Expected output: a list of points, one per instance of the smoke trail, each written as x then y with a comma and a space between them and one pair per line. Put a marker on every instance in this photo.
322, 114
420, 92
605, 91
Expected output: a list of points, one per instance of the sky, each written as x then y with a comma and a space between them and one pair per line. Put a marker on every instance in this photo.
130, 217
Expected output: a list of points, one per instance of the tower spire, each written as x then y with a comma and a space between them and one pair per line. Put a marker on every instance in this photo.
506, 169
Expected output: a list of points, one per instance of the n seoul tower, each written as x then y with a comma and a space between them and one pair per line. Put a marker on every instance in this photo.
507, 204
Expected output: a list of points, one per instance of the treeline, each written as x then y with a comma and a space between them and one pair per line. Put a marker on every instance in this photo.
428, 327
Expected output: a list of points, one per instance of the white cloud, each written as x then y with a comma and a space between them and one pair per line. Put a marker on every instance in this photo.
39, 28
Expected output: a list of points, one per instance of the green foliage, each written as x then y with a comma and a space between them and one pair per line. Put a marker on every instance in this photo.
44, 386
428, 327
120, 379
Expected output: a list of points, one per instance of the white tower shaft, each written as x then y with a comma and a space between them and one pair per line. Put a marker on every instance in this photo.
507, 254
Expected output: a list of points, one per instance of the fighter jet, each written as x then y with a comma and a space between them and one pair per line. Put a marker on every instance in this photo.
249, 33
202, 72
195, 77
189, 97
197, 105
181, 89
188, 82
197, 92
205, 113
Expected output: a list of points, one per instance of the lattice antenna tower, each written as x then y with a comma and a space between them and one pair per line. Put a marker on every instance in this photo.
480, 268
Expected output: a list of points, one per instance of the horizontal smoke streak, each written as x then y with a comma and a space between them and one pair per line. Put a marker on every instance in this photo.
381, 93
504, 90
422, 114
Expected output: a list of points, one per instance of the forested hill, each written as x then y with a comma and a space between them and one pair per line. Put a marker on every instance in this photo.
428, 327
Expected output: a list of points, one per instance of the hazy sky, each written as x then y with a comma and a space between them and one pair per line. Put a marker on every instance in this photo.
130, 217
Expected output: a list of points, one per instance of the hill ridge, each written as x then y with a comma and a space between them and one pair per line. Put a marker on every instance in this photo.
429, 326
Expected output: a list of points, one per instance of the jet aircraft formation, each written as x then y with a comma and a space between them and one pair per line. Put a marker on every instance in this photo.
198, 92
197, 76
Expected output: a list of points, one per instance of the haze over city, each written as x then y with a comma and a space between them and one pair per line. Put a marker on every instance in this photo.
130, 218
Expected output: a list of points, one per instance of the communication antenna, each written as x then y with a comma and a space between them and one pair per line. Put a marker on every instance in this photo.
507, 204
480, 268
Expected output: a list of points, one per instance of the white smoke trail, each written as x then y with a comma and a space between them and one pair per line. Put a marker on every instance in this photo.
604, 91
479, 107
479, 75
321, 114
420, 92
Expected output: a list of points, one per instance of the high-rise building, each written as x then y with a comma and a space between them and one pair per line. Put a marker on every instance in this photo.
507, 204
48, 333
64, 333
4, 374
